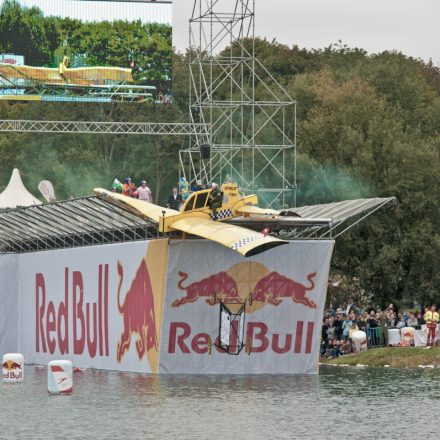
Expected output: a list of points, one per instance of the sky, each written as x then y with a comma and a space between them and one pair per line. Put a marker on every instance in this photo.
103, 10
408, 26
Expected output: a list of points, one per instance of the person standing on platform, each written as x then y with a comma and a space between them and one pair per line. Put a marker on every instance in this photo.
128, 188
198, 186
174, 200
431, 318
216, 199
144, 193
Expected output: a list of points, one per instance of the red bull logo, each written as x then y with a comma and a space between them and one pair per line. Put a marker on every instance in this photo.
255, 284
247, 281
11, 365
12, 370
218, 287
138, 313
142, 307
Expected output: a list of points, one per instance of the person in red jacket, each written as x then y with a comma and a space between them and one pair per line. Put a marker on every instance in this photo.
128, 188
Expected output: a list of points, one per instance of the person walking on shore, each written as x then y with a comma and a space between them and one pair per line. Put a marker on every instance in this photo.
431, 318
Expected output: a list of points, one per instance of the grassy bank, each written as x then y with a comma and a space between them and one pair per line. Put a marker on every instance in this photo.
394, 357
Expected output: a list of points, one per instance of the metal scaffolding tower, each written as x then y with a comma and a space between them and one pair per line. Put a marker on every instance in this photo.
252, 117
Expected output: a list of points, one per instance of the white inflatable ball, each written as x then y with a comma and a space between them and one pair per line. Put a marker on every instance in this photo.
359, 340
394, 336
407, 336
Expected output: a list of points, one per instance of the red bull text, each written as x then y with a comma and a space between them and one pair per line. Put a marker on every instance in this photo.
88, 320
12, 370
258, 339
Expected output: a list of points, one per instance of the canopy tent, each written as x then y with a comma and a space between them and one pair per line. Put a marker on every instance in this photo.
16, 194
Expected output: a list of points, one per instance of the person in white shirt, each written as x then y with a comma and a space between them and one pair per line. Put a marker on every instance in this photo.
144, 193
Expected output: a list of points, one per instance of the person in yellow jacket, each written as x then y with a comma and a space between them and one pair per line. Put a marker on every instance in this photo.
431, 318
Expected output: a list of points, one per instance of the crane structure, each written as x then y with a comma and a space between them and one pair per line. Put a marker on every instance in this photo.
252, 117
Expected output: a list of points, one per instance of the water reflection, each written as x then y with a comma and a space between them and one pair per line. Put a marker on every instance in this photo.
343, 402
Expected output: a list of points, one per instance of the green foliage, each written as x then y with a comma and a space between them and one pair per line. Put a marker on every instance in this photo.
367, 126
25, 31
44, 41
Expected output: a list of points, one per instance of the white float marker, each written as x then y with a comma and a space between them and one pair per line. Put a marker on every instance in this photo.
359, 339
59, 377
13, 364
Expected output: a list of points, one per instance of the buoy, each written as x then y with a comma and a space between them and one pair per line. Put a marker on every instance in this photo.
59, 377
407, 336
13, 364
359, 339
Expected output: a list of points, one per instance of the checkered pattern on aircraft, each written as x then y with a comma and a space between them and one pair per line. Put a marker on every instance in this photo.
223, 214
243, 241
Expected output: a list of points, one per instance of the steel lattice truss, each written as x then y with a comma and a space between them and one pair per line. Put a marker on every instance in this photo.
144, 128
252, 117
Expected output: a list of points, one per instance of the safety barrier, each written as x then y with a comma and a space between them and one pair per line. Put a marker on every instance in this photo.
393, 336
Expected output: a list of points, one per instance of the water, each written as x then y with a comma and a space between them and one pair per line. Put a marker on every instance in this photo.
355, 403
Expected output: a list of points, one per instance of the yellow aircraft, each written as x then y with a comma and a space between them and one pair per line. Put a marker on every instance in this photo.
196, 217
81, 76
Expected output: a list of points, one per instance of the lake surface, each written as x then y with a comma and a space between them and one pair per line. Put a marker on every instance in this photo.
340, 403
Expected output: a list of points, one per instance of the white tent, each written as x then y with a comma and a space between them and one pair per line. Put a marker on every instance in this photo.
15, 194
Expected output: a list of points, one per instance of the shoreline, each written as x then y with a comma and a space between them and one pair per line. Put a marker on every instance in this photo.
394, 357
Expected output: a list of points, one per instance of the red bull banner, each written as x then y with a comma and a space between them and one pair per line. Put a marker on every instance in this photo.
98, 307
159, 307
283, 294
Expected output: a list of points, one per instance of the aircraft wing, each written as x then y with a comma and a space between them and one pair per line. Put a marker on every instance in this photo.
138, 207
251, 209
245, 241
247, 210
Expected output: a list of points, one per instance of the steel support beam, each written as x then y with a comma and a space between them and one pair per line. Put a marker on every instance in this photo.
87, 127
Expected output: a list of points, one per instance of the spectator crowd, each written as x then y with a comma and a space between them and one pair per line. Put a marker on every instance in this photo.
339, 324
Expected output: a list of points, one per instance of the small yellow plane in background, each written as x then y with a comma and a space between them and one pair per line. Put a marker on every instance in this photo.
196, 217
